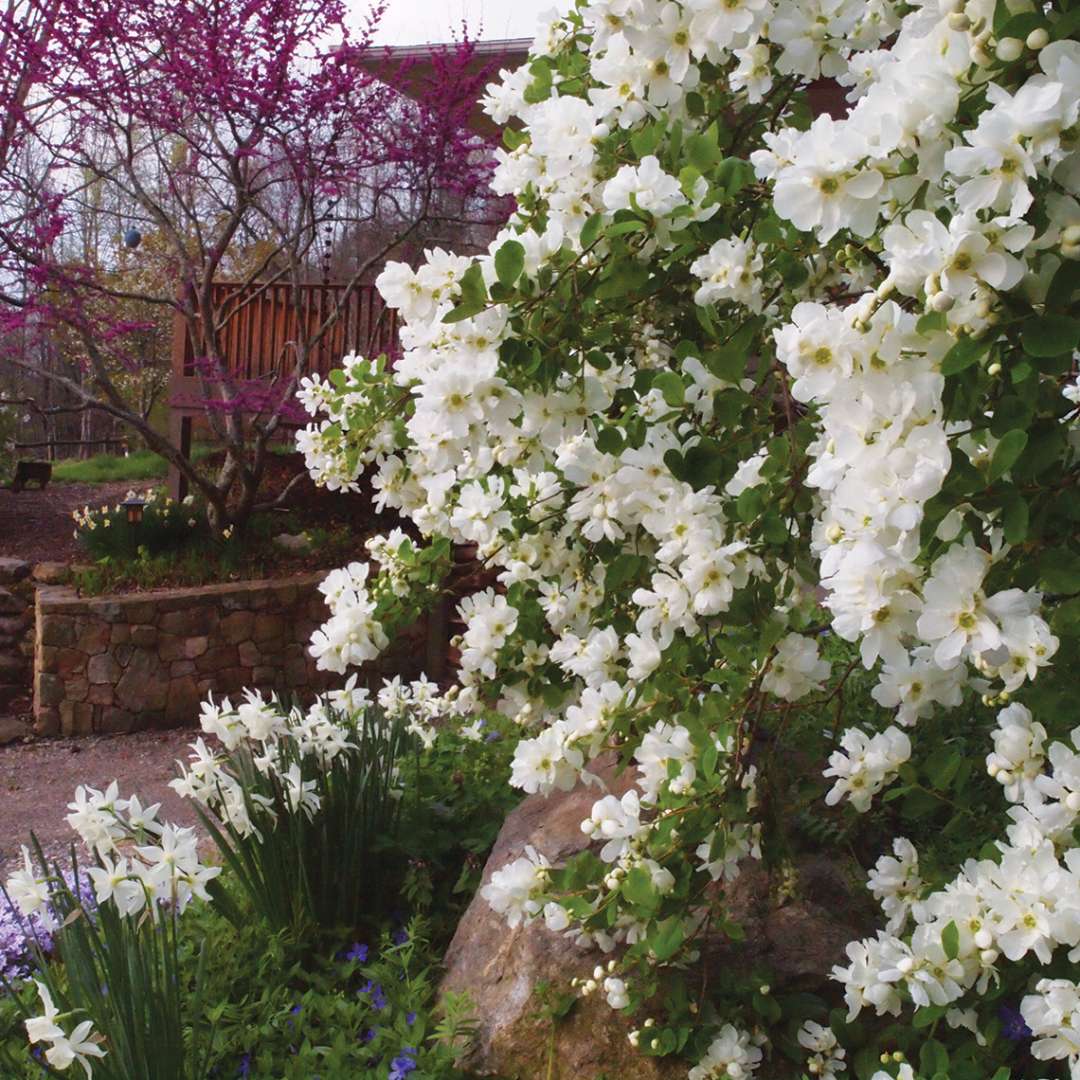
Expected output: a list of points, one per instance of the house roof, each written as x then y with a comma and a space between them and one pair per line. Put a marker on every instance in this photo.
416, 61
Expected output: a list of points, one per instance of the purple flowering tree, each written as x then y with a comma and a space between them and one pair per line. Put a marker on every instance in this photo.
254, 141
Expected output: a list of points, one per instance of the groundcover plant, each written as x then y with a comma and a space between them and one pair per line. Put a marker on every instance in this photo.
736, 385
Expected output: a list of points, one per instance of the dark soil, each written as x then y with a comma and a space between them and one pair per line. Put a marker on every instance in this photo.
37, 526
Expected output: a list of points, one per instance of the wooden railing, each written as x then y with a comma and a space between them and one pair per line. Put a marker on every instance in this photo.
257, 341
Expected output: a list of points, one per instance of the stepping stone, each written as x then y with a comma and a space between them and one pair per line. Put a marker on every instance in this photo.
12, 570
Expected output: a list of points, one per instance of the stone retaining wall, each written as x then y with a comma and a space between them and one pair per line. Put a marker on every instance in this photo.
126, 662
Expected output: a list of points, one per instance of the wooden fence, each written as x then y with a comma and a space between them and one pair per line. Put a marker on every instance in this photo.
261, 326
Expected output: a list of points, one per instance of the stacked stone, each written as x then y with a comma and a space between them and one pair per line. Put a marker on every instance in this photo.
128, 662
16, 617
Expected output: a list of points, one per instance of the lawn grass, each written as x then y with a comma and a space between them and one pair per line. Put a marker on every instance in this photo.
110, 468
137, 466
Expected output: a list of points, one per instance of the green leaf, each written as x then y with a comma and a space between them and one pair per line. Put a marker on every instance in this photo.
1063, 285
624, 227
667, 938
622, 569
645, 141
950, 940
774, 529
639, 889
1050, 335
625, 276
963, 354
703, 150
473, 296
734, 174
590, 231
1014, 519
671, 386
1007, 453
609, 440
703, 461
930, 322
509, 262
933, 1057
1019, 26
927, 1015
1059, 571
748, 504
942, 767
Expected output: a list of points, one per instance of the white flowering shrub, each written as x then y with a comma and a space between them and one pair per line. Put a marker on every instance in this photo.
738, 383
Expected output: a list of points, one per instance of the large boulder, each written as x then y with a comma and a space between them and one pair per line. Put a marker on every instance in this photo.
796, 934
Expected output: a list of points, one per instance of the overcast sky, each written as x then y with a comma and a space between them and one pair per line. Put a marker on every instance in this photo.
416, 22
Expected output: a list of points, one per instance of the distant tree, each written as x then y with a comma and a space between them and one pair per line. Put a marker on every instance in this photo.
241, 139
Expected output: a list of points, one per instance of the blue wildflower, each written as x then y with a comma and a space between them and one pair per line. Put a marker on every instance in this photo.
245, 1066
1013, 1025
378, 998
410, 1018
403, 1064
356, 952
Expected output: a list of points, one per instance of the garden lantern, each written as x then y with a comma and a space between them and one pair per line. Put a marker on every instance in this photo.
134, 507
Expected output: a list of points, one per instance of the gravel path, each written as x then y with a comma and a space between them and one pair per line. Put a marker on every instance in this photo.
38, 780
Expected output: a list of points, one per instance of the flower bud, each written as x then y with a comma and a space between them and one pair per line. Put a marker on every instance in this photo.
942, 301
1072, 801
979, 56
1037, 39
994, 369
984, 939
989, 957
959, 21
1009, 49
1071, 235
897, 1056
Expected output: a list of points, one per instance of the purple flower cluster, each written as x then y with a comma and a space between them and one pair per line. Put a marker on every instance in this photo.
19, 933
